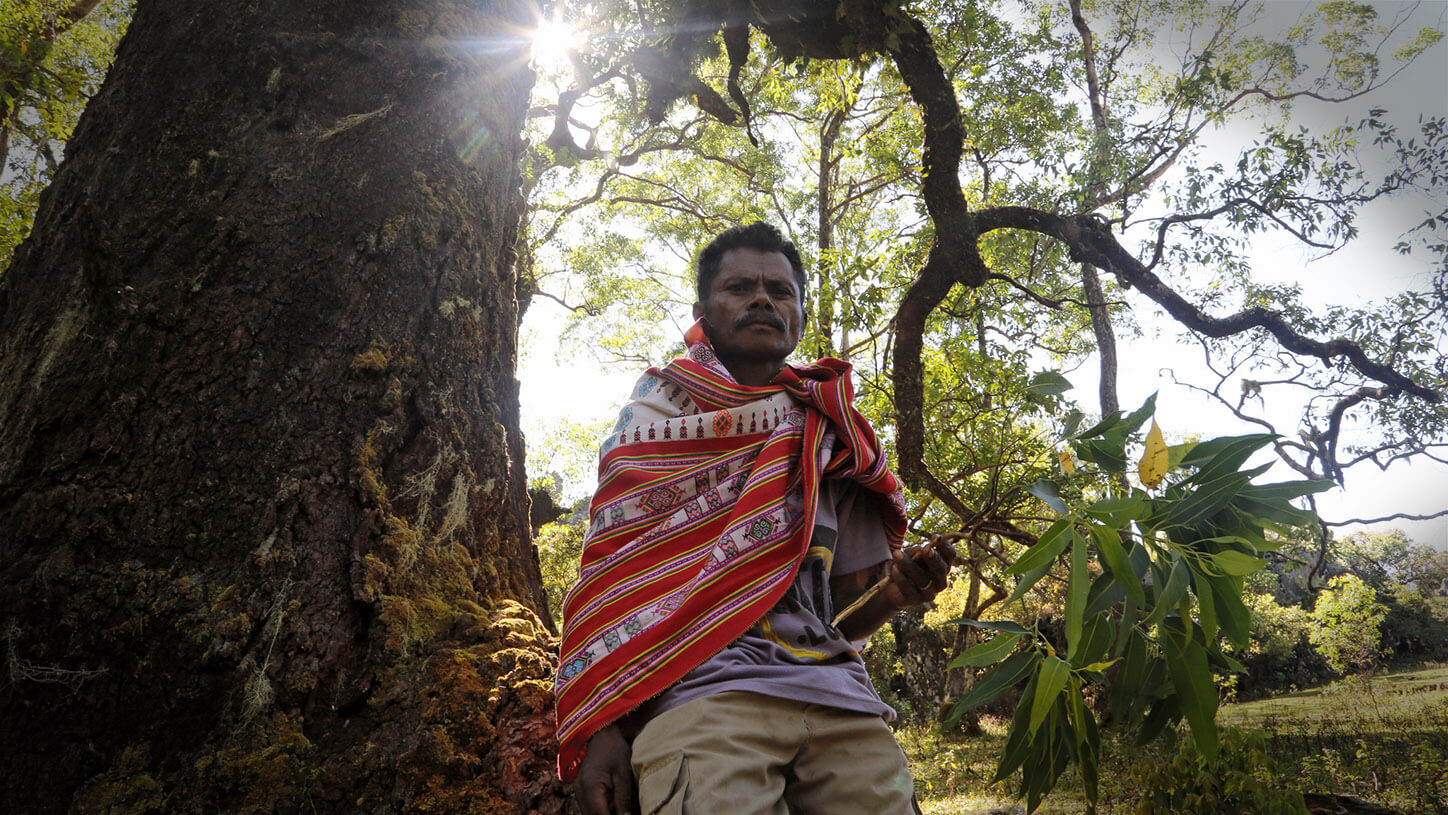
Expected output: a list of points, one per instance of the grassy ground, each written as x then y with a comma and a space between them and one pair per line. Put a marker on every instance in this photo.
1383, 740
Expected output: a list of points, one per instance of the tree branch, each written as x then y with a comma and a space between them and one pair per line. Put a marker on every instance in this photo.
1090, 243
1397, 516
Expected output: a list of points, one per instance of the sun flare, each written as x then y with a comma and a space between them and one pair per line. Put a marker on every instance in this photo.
553, 39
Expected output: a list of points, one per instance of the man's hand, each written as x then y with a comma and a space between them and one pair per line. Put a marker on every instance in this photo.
912, 578
605, 781
918, 574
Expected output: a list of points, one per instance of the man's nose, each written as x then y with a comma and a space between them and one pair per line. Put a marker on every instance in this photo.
761, 299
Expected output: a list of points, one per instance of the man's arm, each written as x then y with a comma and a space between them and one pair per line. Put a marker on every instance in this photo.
915, 577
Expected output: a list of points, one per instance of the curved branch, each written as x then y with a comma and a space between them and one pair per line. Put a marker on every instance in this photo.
1088, 242
1396, 516
954, 256
1334, 424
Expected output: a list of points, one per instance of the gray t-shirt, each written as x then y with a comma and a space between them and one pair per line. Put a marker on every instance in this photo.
793, 652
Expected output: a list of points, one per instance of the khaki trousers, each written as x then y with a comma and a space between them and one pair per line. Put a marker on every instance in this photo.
738, 753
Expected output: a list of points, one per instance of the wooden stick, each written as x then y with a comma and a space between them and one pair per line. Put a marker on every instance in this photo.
863, 599
879, 585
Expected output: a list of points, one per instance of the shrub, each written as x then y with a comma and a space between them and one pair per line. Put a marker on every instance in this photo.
1279, 655
1241, 780
1347, 619
1416, 625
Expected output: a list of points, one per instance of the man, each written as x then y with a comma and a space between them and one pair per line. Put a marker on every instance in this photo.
742, 505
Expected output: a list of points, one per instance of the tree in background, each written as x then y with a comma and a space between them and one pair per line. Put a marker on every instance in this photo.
53, 56
1347, 619
1280, 656
1389, 559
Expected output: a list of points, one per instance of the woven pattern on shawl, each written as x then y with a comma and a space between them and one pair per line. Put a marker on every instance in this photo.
705, 506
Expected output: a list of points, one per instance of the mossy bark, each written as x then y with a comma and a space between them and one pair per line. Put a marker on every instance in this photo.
263, 522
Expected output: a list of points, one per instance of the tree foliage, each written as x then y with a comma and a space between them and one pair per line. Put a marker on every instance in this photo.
1167, 579
53, 56
1347, 620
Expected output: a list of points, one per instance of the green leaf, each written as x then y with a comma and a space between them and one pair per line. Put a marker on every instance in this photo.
1206, 608
1225, 661
1272, 502
1105, 593
1138, 417
1126, 685
1048, 383
1109, 454
1046, 548
1047, 491
1167, 711
1207, 451
1076, 590
1126, 624
1018, 737
1230, 457
1171, 594
1107, 423
1232, 613
990, 686
987, 653
1088, 739
1108, 543
1199, 505
1237, 563
1049, 682
1192, 678
1176, 452
1275, 512
1287, 490
1096, 638
1119, 512
1071, 422
1028, 580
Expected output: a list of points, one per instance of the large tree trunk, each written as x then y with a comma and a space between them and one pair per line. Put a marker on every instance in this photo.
263, 526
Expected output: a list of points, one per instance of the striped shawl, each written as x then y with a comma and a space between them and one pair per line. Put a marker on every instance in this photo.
705, 506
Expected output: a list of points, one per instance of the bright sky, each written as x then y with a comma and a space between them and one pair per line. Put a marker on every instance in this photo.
558, 389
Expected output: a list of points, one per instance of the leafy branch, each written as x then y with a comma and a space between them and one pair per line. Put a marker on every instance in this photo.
1171, 554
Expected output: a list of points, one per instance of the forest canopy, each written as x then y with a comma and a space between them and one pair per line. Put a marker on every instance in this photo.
1199, 141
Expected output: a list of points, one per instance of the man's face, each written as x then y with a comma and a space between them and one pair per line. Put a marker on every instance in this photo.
754, 309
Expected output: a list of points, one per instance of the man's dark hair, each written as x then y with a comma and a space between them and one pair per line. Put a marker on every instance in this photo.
758, 235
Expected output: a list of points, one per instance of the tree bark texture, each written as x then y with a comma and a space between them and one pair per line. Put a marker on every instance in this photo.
263, 520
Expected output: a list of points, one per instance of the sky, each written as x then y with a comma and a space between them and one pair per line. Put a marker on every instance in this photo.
558, 388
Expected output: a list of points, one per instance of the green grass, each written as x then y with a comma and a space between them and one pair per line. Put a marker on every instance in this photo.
1384, 740
1343, 705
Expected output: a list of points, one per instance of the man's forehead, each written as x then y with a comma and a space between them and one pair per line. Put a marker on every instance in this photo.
752, 263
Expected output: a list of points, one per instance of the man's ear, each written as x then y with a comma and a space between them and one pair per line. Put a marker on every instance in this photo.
698, 310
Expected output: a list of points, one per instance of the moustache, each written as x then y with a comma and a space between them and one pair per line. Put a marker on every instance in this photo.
765, 317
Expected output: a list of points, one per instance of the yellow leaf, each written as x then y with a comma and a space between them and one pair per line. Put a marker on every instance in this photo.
1067, 463
1152, 468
